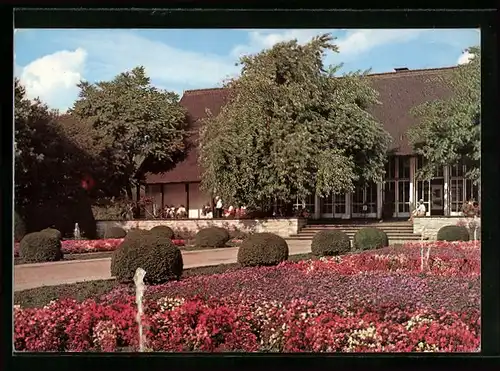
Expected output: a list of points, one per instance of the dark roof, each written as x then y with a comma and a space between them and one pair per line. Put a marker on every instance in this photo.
398, 92
196, 103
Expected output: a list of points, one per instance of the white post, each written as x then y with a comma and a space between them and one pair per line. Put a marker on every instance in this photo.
317, 207
139, 292
347, 206
412, 180
379, 200
446, 190
396, 187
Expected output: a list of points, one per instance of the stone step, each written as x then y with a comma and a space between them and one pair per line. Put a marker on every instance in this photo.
354, 232
352, 228
355, 229
389, 236
378, 225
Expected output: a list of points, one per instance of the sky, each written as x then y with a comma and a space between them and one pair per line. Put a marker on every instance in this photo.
50, 62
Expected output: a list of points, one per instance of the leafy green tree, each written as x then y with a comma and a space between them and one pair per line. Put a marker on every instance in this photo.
48, 169
448, 130
291, 129
133, 122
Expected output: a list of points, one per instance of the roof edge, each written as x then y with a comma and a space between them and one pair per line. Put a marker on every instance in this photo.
381, 74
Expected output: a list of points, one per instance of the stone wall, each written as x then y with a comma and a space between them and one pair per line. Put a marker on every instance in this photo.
429, 226
281, 227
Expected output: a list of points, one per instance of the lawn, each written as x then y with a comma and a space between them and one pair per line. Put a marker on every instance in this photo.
376, 301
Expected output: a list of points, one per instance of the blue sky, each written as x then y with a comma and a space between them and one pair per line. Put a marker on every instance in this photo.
51, 62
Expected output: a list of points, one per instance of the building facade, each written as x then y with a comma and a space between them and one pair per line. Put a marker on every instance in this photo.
399, 92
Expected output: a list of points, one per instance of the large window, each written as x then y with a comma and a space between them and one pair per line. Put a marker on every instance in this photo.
462, 189
333, 205
308, 203
364, 196
397, 185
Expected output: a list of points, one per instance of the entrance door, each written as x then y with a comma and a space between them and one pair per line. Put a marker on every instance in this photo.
364, 201
333, 206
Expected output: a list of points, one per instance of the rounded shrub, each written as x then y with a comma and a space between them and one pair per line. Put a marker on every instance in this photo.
330, 243
211, 237
163, 230
19, 227
115, 232
453, 233
156, 254
262, 249
370, 238
40, 247
136, 232
53, 232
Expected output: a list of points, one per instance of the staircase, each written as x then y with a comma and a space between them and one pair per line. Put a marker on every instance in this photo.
398, 231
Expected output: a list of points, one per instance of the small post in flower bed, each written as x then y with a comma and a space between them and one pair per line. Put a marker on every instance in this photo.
139, 293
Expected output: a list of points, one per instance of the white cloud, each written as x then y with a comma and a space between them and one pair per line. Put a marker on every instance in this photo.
115, 52
465, 57
262, 39
353, 43
53, 77
361, 41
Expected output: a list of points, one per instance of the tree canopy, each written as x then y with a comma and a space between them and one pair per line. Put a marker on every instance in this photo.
291, 129
448, 130
48, 168
132, 121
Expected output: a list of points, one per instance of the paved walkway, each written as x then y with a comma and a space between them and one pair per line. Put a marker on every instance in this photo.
27, 276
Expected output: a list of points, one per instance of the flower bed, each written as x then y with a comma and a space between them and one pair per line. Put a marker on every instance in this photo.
88, 246
375, 301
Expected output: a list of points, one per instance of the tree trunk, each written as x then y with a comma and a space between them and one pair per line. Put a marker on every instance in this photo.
128, 189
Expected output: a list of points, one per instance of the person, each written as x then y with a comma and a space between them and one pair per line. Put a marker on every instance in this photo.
181, 212
218, 207
229, 212
171, 212
419, 210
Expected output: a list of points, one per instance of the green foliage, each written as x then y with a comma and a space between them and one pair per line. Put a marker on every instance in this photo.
62, 214
211, 237
132, 122
40, 247
453, 233
330, 243
52, 231
262, 249
291, 129
48, 185
156, 254
115, 232
370, 239
163, 230
448, 130
19, 227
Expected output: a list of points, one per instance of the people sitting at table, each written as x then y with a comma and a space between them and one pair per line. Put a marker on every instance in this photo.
181, 212
207, 212
230, 212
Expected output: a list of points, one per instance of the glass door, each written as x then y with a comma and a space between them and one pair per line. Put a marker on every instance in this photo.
364, 201
333, 206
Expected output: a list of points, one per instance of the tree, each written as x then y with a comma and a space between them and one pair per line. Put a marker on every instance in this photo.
48, 169
291, 129
132, 121
448, 130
